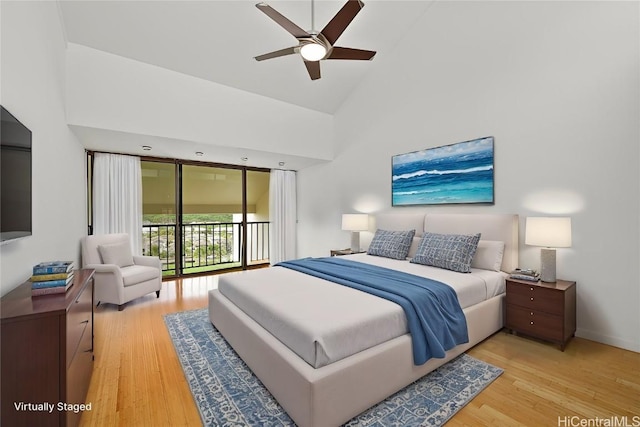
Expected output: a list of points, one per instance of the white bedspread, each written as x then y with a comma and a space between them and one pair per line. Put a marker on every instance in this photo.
471, 288
324, 322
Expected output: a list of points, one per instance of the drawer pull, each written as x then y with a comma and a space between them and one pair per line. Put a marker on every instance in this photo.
532, 323
531, 288
532, 313
531, 298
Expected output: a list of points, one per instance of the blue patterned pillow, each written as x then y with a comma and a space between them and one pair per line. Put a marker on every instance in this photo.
450, 251
391, 244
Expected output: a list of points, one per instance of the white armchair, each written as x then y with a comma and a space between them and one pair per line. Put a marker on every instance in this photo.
120, 276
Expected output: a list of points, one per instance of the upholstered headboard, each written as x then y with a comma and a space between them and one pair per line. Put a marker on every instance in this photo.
399, 222
502, 227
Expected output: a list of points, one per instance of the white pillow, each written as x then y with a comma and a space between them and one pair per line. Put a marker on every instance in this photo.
488, 256
414, 247
116, 253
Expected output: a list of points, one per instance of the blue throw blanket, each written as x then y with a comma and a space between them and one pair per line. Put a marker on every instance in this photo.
436, 321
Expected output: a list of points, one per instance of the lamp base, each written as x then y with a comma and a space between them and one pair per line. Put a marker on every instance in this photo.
355, 241
548, 265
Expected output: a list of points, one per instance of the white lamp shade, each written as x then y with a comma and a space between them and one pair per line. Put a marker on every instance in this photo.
551, 232
355, 222
313, 51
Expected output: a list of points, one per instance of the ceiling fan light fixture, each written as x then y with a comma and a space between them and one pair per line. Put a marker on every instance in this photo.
313, 51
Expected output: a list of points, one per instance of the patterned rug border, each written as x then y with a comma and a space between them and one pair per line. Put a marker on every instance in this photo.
422, 403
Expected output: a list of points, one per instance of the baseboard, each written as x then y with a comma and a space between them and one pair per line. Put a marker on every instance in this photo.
609, 340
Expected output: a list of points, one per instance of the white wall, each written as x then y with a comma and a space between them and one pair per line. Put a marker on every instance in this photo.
558, 86
556, 83
33, 86
107, 91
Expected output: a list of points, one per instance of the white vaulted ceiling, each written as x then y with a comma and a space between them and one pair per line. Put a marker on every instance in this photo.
264, 110
217, 41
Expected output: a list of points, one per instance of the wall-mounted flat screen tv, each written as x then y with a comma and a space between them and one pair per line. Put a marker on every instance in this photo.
15, 178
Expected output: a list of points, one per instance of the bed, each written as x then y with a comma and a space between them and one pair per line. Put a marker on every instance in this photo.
322, 385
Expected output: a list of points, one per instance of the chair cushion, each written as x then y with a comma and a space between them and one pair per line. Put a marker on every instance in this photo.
116, 253
135, 274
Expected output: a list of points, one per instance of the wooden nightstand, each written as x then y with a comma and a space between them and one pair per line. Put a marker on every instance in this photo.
542, 310
338, 252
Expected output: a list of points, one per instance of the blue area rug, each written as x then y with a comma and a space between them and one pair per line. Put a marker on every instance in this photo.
227, 393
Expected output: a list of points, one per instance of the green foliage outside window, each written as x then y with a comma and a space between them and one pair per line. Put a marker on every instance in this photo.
205, 243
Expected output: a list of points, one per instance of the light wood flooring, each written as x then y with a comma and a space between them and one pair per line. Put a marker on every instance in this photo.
138, 381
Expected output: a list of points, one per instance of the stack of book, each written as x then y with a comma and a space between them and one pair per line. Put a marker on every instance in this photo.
51, 278
525, 274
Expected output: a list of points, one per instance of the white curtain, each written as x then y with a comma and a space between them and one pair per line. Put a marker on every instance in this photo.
282, 212
117, 197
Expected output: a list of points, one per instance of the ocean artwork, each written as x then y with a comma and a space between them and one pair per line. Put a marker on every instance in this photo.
457, 173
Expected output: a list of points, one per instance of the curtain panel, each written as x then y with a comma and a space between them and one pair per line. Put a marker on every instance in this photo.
282, 210
117, 197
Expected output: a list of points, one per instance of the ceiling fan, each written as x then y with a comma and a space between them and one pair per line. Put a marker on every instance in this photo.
316, 46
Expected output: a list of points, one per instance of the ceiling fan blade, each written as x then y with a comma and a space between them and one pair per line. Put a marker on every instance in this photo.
284, 22
341, 21
277, 53
313, 67
348, 53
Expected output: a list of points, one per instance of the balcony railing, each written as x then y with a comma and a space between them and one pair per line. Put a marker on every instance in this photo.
207, 246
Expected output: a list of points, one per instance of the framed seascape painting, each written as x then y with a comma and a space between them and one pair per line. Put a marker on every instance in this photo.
456, 173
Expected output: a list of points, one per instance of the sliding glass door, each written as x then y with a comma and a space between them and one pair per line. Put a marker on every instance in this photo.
200, 218
159, 214
257, 221
211, 218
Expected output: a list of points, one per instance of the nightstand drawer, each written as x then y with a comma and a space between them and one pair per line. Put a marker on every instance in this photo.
535, 298
536, 323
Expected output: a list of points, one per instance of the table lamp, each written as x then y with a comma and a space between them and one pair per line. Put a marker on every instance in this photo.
355, 223
551, 233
